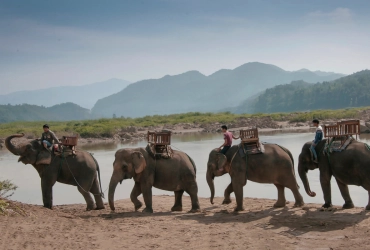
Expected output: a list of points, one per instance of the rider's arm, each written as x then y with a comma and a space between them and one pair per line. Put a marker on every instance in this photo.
225, 142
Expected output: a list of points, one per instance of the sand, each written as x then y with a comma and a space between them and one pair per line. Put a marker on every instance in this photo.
260, 226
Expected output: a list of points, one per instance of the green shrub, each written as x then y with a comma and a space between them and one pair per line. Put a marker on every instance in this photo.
6, 190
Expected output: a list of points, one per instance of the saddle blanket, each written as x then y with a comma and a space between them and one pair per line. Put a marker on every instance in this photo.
159, 152
338, 145
251, 149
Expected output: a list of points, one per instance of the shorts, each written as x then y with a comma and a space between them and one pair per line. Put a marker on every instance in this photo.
47, 143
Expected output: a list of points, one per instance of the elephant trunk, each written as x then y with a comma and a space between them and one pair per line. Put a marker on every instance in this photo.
14, 150
303, 174
112, 188
211, 184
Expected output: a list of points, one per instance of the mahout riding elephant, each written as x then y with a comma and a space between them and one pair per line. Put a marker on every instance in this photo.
177, 174
82, 168
274, 166
349, 167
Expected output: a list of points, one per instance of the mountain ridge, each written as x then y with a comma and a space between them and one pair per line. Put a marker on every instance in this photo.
193, 91
83, 95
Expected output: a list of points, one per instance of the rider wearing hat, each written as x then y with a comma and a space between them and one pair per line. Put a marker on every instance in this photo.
48, 138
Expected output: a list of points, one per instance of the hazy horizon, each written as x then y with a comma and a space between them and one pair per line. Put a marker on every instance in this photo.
47, 44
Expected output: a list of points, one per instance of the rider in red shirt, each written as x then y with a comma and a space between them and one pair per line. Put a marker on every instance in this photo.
228, 140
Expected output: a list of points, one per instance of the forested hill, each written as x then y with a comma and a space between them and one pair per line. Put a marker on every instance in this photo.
348, 91
193, 91
26, 112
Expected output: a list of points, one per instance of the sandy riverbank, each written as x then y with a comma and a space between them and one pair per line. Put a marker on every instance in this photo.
260, 226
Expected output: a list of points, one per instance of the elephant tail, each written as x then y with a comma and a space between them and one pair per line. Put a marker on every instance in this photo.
98, 169
291, 158
192, 162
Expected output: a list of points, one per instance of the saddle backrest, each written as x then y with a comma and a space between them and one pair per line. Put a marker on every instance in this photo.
249, 135
351, 127
331, 131
159, 138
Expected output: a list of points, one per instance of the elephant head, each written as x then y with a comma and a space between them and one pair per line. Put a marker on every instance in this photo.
29, 153
216, 166
127, 164
305, 163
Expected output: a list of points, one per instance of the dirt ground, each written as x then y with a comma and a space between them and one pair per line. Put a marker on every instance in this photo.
260, 226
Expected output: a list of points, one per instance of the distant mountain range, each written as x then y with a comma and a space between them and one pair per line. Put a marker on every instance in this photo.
348, 91
26, 112
193, 91
84, 96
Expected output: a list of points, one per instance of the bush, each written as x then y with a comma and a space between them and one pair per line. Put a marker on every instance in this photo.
6, 190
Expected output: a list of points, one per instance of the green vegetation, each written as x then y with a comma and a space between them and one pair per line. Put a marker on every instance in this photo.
26, 112
6, 190
108, 127
349, 91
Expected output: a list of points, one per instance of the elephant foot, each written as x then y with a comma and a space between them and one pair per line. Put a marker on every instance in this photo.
100, 208
367, 207
237, 209
226, 201
280, 204
89, 208
348, 205
148, 210
138, 205
194, 210
49, 207
299, 204
176, 209
327, 205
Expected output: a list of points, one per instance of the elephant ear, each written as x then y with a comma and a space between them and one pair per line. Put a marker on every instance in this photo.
221, 161
138, 161
44, 157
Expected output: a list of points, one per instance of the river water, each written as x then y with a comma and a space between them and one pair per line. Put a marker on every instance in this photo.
198, 146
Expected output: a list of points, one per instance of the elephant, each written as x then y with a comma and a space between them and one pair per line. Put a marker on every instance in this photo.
275, 166
81, 170
349, 167
177, 174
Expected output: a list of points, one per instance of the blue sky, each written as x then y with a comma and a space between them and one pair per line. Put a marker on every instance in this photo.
45, 43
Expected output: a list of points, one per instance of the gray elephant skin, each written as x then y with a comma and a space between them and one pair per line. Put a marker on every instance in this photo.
274, 166
349, 167
82, 166
177, 174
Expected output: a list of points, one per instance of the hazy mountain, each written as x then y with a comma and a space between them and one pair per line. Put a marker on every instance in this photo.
26, 112
85, 95
348, 91
193, 91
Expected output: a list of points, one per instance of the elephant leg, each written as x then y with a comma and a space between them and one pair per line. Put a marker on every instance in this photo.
147, 194
326, 188
95, 190
136, 191
297, 196
227, 193
88, 198
281, 196
368, 204
47, 192
193, 192
238, 190
345, 194
178, 201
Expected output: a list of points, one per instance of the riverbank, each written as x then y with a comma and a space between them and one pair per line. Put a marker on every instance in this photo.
127, 129
260, 226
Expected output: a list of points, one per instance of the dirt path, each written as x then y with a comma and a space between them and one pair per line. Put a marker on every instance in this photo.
260, 226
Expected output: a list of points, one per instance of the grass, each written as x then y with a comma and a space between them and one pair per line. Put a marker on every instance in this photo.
108, 127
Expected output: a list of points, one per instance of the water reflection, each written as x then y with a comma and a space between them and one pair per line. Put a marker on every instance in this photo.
198, 146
